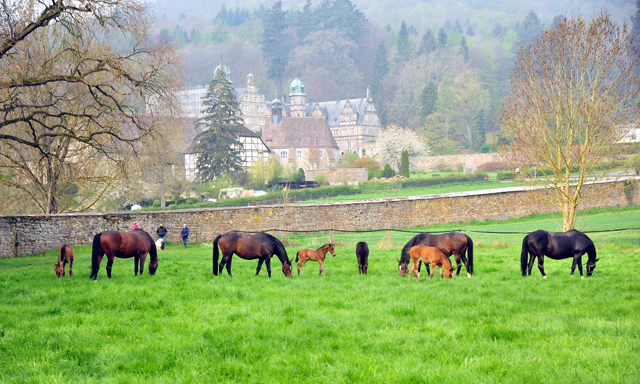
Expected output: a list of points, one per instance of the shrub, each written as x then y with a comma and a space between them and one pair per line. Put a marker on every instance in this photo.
366, 162
388, 171
404, 164
492, 166
321, 179
448, 168
506, 175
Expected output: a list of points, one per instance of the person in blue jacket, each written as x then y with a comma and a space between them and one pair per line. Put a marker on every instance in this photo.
185, 235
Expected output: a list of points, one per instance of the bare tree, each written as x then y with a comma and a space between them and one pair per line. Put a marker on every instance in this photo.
574, 94
75, 82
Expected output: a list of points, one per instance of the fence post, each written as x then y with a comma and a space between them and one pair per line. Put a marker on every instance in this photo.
389, 236
330, 236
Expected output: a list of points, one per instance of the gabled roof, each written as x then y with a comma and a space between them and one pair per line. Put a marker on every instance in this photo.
333, 109
299, 132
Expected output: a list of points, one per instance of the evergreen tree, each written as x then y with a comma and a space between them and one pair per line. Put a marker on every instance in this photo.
404, 163
304, 22
217, 147
428, 43
479, 134
442, 38
457, 27
343, 16
429, 100
635, 31
275, 45
497, 30
388, 172
379, 71
470, 31
404, 45
465, 49
530, 28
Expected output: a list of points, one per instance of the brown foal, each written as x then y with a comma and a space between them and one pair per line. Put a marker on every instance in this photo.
429, 255
317, 255
64, 257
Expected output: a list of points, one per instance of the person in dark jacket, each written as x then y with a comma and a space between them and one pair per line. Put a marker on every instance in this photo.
161, 232
185, 235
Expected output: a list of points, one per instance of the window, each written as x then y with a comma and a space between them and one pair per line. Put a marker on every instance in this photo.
320, 153
260, 121
246, 98
299, 154
351, 131
349, 145
284, 154
348, 118
256, 98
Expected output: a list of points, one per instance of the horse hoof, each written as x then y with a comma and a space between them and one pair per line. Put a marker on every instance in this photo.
468, 275
582, 277
545, 277
571, 275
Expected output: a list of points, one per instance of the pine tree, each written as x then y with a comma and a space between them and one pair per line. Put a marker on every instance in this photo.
442, 38
404, 45
404, 163
530, 28
217, 147
465, 49
497, 30
428, 43
470, 31
479, 134
429, 100
635, 32
303, 23
275, 45
380, 69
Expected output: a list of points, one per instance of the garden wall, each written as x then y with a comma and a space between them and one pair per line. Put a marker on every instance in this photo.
471, 162
38, 233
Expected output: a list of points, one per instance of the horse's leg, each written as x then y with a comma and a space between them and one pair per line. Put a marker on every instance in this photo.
229, 265
579, 266
143, 259
321, 271
411, 271
573, 265
109, 264
541, 265
70, 267
95, 272
135, 265
532, 258
441, 268
268, 262
260, 261
463, 257
301, 263
433, 269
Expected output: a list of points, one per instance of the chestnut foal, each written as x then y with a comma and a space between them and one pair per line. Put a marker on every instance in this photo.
317, 255
430, 255
64, 257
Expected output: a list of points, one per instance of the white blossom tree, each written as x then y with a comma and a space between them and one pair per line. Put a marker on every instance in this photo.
394, 139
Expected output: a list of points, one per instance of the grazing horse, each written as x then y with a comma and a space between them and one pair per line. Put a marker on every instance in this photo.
261, 246
436, 257
317, 255
64, 257
557, 246
136, 244
455, 243
362, 253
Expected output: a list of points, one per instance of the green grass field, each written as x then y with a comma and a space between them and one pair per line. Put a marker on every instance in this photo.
186, 325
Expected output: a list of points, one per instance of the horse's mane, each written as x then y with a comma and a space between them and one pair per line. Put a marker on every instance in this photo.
326, 245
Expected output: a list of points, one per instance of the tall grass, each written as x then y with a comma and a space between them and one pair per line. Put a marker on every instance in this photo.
186, 325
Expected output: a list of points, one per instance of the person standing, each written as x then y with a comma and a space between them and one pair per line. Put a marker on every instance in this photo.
161, 232
185, 235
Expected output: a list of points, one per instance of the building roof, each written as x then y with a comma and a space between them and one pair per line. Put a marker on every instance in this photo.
297, 88
223, 69
333, 109
299, 132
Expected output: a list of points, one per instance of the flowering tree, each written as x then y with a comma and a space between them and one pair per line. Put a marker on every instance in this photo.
393, 140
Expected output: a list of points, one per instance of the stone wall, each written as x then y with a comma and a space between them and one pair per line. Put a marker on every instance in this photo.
470, 161
40, 233
339, 176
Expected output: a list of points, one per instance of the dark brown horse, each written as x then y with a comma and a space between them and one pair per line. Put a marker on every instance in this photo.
65, 256
455, 243
136, 244
317, 255
261, 246
430, 255
362, 253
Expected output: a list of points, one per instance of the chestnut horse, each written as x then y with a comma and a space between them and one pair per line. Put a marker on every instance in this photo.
431, 255
261, 246
362, 253
136, 244
317, 255
455, 243
557, 246
64, 257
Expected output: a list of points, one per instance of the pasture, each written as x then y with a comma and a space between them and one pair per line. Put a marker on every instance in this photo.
186, 325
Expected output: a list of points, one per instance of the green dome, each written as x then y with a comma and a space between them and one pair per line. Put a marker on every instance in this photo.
223, 69
276, 103
297, 88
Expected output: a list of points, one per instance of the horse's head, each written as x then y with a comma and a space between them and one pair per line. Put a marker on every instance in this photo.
153, 267
591, 267
333, 251
286, 269
403, 268
59, 270
448, 274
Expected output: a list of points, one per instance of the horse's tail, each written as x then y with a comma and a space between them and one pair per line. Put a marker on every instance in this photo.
524, 256
95, 254
63, 255
297, 253
470, 253
216, 255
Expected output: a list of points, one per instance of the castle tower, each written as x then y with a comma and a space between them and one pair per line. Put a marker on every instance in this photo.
297, 99
276, 111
